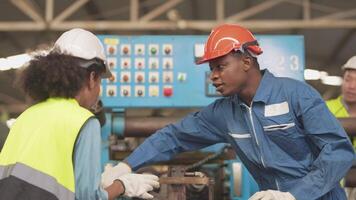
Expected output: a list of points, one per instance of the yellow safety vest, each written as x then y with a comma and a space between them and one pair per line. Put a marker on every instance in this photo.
40, 146
338, 109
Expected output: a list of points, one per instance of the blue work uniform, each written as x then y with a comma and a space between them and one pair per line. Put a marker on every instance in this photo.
287, 138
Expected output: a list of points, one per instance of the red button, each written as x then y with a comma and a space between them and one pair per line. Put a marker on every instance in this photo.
167, 92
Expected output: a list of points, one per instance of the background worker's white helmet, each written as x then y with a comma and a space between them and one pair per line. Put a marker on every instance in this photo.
350, 64
82, 44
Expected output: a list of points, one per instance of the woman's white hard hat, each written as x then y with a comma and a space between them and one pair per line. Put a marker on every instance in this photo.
81, 43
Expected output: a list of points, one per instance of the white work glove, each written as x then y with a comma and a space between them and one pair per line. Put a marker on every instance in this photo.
112, 173
272, 195
138, 185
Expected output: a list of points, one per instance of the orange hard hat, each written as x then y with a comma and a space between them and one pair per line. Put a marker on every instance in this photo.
226, 38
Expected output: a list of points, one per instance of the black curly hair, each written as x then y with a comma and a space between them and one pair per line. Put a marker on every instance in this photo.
57, 75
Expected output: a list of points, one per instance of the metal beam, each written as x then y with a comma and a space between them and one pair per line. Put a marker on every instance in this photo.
315, 6
204, 25
15, 108
28, 8
93, 10
306, 10
160, 10
49, 10
21, 26
220, 10
254, 10
9, 99
134, 10
70, 10
339, 15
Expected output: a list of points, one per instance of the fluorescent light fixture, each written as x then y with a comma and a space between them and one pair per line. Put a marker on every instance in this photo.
14, 62
332, 80
311, 74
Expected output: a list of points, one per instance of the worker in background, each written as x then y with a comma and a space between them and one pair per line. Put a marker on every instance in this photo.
53, 149
345, 104
280, 128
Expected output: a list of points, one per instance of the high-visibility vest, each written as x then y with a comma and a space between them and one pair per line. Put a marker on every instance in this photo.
337, 108
40, 145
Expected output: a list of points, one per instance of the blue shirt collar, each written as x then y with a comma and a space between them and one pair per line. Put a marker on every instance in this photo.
263, 91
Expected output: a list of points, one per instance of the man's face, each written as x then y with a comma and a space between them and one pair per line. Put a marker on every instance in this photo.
349, 86
228, 74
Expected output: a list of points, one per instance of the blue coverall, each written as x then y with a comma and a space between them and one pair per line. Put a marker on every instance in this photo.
287, 138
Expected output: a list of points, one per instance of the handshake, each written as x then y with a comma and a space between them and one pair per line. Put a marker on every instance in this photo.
135, 185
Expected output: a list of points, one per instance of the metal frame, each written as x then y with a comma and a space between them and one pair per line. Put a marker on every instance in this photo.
333, 19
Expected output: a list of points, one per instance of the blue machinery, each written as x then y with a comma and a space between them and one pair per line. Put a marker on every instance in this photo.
158, 72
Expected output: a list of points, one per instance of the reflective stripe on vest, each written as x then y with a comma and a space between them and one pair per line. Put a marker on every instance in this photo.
36, 178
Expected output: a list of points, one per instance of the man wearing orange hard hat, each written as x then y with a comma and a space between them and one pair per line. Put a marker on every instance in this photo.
280, 128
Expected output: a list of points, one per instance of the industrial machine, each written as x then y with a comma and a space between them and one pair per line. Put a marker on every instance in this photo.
156, 82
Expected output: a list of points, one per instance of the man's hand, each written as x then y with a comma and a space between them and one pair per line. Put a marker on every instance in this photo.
272, 195
112, 173
138, 185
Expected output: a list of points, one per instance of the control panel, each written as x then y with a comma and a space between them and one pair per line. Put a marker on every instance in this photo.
160, 71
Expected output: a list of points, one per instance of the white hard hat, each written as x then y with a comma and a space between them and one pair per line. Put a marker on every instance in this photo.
82, 44
350, 64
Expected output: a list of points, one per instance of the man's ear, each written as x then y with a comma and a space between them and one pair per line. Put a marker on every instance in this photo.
247, 62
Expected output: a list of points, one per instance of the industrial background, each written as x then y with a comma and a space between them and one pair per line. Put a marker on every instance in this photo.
326, 28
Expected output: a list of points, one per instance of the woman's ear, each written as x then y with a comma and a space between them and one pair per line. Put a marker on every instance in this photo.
92, 80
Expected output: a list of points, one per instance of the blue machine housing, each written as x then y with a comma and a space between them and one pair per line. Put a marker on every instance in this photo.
155, 77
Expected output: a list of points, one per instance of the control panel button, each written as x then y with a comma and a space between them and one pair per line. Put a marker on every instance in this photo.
112, 78
167, 63
111, 49
153, 49
125, 91
153, 77
182, 77
140, 77
125, 77
111, 90
139, 91
153, 63
140, 49
153, 91
139, 63
125, 49
167, 91
111, 62
125, 63
167, 49
167, 77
